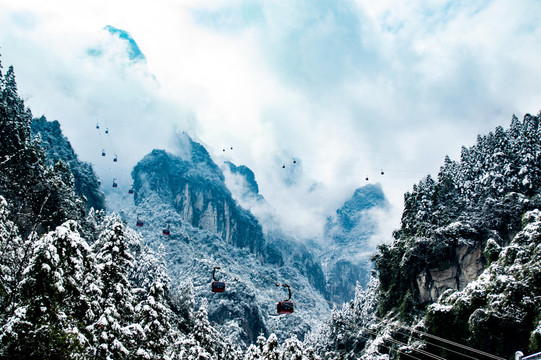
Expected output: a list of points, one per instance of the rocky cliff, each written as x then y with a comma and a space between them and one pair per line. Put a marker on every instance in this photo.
195, 187
347, 257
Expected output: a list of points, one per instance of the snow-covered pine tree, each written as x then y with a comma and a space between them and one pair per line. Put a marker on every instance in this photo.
113, 330
272, 349
209, 338
182, 304
36, 193
40, 327
292, 349
14, 253
252, 353
153, 316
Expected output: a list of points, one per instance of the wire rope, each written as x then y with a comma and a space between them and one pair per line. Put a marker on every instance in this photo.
400, 343
480, 352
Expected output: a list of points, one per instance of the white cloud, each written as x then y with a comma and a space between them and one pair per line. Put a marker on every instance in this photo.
348, 87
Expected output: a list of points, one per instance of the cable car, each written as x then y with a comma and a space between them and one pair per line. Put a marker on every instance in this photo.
130, 191
139, 221
285, 306
103, 152
115, 159
217, 286
382, 173
166, 231
114, 183
107, 131
294, 161
97, 126
367, 178
283, 166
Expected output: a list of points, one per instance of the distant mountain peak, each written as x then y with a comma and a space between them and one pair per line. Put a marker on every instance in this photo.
134, 52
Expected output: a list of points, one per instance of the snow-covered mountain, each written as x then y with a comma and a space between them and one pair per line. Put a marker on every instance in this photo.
187, 194
57, 147
347, 258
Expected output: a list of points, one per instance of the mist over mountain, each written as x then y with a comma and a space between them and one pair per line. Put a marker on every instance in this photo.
463, 269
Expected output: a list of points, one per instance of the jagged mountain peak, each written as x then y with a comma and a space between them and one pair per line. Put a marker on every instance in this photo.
134, 52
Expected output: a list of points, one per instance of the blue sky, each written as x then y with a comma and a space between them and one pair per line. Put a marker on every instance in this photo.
347, 87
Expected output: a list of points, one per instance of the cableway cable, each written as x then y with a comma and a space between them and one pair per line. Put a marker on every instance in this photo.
480, 352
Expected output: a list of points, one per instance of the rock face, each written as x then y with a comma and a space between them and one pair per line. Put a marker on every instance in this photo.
195, 188
468, 265
347, 259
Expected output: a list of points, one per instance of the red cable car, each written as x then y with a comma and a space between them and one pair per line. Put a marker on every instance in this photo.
285, 306
217, 286
139, 221
166, 231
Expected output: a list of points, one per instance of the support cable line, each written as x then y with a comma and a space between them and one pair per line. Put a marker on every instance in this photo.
419, 338
400, 343
480, 352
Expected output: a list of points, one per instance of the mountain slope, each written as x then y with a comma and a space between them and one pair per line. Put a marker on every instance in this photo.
453, 227
187, 194
57, 147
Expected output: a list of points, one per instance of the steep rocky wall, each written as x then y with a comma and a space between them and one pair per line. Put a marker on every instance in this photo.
468, 264
197, 192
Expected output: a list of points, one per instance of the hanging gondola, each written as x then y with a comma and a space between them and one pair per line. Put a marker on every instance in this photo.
115, 159
166, 231
107, 131
382, 173
139, 221
217, 286
130, 191
103, 152
285, 306
97, 126
114, 183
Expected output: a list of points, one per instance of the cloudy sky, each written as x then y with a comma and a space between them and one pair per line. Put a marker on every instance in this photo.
348, 88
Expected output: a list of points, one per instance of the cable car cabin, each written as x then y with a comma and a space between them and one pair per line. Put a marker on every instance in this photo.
285, 307
166, 232
139, 222
115, 159
115, 184
218, 286
97, 126
107, 131
130, 191
103, 153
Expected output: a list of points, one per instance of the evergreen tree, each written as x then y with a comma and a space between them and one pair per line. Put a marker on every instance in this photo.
292, 349
42, 197
112, 331
40, 327
14, 254
153, 316
271, 350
